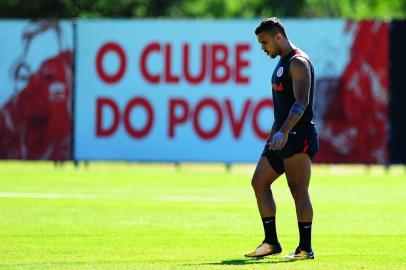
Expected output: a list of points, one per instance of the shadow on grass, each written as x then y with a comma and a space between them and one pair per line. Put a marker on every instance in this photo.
246, 262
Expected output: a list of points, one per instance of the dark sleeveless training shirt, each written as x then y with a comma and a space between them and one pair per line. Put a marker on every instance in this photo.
282, 91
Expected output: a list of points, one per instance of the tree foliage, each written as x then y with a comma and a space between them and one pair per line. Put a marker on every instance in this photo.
357, 9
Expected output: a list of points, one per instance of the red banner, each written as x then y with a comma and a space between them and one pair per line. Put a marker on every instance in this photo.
35, 122
353, 107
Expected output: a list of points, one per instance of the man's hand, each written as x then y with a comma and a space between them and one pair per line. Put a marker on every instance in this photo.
270, 136
278, 141
271, 133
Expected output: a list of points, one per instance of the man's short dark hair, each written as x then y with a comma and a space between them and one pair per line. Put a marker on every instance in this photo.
271, 25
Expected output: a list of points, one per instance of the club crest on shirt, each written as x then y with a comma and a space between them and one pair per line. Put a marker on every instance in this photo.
280, 72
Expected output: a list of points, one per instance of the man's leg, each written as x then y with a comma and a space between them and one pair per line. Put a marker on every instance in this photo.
262, 179
298, 172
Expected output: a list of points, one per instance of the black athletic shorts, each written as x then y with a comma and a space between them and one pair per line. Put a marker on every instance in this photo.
302, 139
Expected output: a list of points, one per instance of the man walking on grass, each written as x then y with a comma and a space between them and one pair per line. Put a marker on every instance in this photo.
292, 142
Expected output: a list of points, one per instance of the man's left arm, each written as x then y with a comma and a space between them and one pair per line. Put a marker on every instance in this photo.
299, 71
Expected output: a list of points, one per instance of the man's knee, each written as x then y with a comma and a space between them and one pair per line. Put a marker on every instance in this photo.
302, 196
299, 193
259, 183
264, 175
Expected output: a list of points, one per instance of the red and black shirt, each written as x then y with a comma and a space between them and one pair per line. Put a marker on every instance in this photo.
282, 91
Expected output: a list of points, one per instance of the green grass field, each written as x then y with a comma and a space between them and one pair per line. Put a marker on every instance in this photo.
132, 216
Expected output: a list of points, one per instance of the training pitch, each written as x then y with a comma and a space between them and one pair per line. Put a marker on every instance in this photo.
135, 216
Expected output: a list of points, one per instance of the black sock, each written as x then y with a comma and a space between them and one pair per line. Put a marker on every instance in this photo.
305, 233
270, 230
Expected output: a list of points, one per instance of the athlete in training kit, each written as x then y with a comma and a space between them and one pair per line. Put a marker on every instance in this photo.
292, 142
